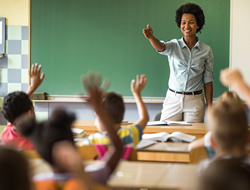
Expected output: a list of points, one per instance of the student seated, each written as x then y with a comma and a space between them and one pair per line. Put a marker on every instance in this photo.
227, 121
114, 106
14, 105
46, 134
228, 174
207, 141
233, 78
14, 173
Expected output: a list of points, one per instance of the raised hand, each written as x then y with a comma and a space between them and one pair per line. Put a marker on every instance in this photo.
148, 32
36, 78
138, 86
92, 85
230, 76
66, 156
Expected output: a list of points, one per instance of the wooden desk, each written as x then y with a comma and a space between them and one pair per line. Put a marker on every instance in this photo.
87, 125
165, 152
141, 175
153, 176
197, 129
171, 152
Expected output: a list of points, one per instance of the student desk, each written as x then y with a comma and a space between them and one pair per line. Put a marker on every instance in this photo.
137, 175
197, 129
171, 152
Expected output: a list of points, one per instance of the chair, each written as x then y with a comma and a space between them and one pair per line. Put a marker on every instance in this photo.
197, 155
133, 155
87, 152
31, 154
157, 117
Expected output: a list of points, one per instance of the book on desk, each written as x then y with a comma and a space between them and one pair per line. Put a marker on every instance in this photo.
150, 139
164, 137
168, 122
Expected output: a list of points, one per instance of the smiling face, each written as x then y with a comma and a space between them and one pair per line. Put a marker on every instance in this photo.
188, 25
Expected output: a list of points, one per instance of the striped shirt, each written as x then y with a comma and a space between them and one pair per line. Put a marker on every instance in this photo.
129, 135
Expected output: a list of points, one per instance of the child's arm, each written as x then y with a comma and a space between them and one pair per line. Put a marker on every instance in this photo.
208, 87
92, 86
136, 89
35, 78
199, 143
234, 78
148, 33
66, 156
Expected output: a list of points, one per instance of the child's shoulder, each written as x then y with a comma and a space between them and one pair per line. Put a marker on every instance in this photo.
130, 128
130, 134
9, 131
97, 138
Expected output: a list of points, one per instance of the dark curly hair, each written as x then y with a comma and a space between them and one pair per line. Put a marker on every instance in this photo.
16, 104
114, 105
45, 134
192, 9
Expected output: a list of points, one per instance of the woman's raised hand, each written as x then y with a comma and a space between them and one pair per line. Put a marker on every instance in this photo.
148, 32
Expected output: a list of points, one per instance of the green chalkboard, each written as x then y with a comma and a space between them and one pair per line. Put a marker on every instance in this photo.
71, 37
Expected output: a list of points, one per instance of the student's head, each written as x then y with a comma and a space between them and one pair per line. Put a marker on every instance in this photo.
229, 174
14, 173
114, 105
193, 9
45, 134
228, 122
16, 104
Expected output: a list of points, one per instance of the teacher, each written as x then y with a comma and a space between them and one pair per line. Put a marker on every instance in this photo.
191, 67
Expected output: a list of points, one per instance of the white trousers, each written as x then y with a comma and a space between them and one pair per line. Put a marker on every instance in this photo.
179, 107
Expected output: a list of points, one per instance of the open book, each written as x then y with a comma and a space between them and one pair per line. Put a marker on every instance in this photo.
170, 123
78, 133
144, 144
164, 136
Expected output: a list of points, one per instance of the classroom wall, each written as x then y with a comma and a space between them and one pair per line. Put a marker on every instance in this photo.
240, 42
15, 11
83, 111
14, 65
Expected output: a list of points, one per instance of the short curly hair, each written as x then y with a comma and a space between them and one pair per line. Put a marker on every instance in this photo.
15, 104
192, 9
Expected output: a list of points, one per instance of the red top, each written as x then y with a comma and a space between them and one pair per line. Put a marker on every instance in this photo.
11, 138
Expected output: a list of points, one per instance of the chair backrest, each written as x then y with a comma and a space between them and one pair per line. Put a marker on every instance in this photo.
133, 155
87, 152
157, 117
31, 154
197, 155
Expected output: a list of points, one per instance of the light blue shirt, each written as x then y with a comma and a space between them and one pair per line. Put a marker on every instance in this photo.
188, 69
